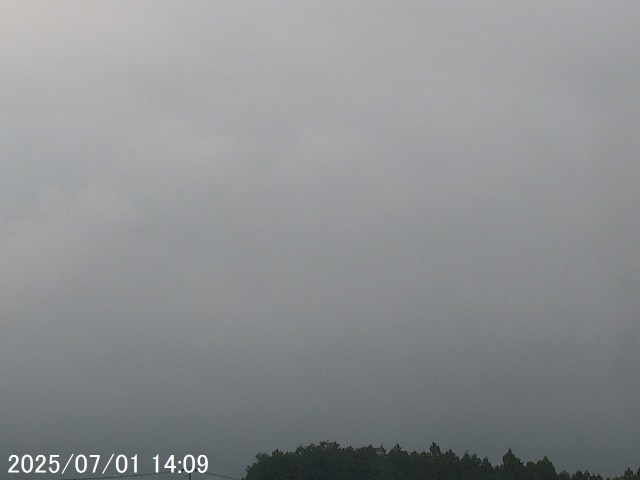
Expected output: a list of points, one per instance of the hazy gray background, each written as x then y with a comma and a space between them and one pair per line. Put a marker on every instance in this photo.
231, 227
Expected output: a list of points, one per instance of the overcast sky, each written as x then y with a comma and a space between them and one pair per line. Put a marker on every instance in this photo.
231, 227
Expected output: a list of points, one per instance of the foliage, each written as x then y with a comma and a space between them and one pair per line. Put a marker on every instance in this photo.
330, 461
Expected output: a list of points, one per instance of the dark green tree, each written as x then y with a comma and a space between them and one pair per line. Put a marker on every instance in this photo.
330, 461
512, 467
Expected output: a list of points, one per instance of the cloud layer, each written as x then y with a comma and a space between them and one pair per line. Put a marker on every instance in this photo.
230, 228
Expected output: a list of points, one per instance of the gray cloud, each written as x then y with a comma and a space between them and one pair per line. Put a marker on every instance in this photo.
232, 228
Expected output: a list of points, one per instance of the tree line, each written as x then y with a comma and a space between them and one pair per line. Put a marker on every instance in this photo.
330, 461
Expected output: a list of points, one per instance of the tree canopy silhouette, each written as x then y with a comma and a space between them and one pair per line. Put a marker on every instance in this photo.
330, 461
